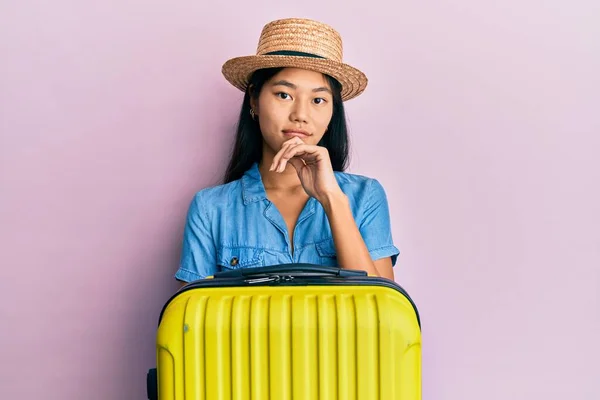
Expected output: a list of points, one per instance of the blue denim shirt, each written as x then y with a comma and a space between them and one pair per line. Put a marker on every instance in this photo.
236, 226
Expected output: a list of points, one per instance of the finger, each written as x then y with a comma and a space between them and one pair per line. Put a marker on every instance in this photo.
304, 151
278, 165
287, 144
280, 153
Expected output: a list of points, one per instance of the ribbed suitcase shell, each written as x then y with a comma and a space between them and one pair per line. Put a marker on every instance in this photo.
289, 342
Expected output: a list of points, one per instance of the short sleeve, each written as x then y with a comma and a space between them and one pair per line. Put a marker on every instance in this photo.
375, 226
198, 257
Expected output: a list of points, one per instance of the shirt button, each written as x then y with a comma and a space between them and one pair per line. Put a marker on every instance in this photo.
234, 261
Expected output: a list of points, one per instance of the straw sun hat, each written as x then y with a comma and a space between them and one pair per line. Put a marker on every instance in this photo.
298, 43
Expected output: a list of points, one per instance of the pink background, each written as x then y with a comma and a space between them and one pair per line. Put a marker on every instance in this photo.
481, 120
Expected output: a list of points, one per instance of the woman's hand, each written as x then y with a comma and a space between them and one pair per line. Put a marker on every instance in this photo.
313, 165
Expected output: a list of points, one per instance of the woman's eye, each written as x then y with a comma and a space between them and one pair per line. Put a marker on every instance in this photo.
283, 95
319, 100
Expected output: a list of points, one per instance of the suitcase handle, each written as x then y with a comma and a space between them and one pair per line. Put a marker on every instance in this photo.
289, 269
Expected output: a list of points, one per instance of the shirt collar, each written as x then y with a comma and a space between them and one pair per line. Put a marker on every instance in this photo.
253, 189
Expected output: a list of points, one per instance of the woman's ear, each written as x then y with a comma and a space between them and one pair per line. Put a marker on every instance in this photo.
253, 102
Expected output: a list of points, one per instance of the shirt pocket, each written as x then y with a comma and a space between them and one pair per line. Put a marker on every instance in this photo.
234, 257
327, 253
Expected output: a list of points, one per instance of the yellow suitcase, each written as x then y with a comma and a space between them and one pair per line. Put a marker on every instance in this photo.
295, 331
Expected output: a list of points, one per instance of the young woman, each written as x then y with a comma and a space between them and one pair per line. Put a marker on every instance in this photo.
285, 198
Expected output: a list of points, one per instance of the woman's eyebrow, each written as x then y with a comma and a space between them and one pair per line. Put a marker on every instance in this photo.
322, 89
285, 83
292, 86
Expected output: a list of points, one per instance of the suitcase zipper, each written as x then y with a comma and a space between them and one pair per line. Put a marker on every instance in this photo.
266, 279
272, 278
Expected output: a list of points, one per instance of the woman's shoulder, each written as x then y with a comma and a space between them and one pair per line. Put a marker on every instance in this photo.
356, 184
217, 195
364, 193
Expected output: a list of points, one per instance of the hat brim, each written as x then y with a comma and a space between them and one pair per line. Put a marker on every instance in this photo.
238, 71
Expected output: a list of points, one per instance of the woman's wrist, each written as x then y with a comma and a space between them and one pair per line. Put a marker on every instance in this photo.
334, 200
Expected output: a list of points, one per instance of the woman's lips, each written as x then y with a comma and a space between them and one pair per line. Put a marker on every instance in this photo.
296, 133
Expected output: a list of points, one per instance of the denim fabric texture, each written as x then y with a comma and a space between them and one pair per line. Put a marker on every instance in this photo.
236, 226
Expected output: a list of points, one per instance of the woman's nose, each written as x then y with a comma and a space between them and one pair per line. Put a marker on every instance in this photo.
299, 112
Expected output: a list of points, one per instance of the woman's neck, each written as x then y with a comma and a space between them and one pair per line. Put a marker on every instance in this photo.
286, 180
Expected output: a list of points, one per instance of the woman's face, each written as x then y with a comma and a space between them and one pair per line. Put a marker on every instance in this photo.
293, 103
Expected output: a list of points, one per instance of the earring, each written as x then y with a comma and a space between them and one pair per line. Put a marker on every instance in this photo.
252, 114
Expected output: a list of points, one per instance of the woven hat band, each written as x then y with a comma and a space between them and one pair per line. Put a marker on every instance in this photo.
292, 53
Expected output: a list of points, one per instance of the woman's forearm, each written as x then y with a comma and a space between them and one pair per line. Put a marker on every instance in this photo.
352, 253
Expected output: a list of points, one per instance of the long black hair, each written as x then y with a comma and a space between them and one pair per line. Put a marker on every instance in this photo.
248, 145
